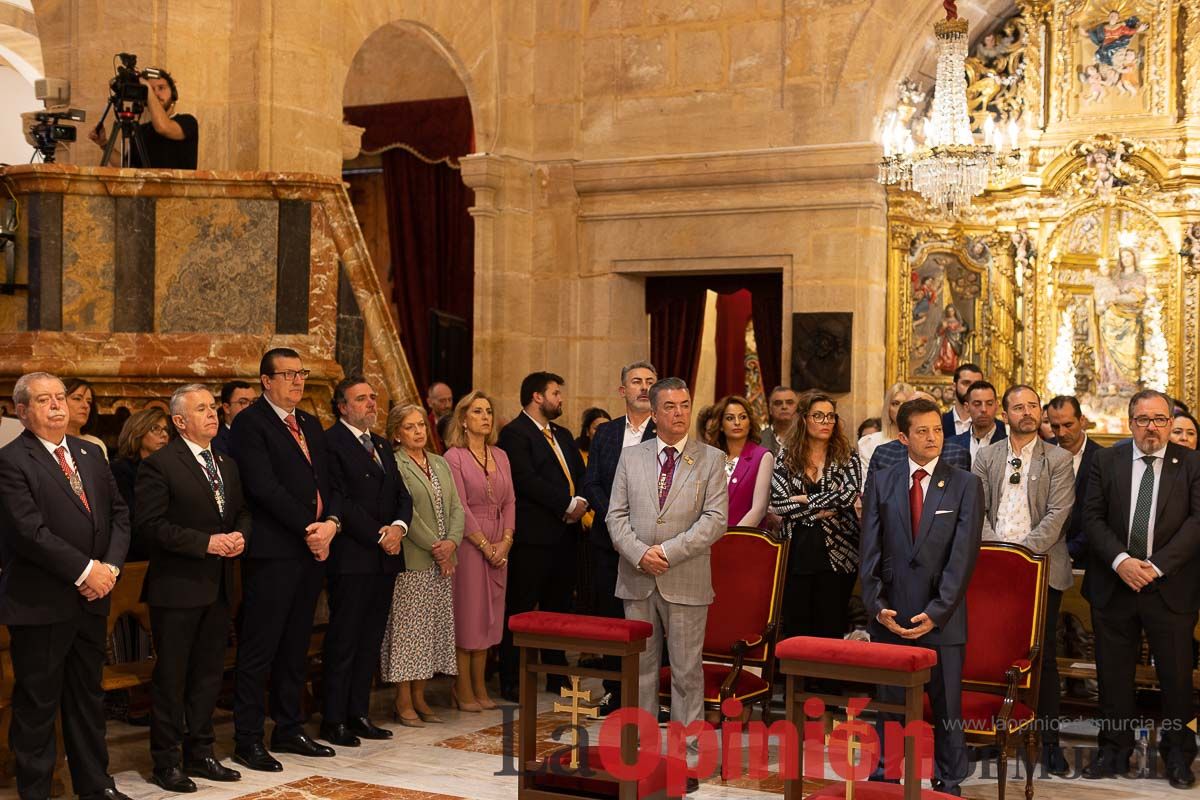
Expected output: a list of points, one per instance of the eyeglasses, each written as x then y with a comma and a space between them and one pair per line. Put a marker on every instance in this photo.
292, 374
821, 418
161, 430
1146, 422
1015, 478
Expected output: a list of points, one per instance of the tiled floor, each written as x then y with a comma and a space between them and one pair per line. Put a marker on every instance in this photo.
464, 758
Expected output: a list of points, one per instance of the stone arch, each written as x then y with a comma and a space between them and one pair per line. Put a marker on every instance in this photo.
464, 35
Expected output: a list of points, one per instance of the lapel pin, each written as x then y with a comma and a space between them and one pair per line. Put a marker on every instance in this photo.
1174, 460
941, 484
689, 460
82, 452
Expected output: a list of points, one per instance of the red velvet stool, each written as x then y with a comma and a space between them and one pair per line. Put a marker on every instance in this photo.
554, 777
858, 662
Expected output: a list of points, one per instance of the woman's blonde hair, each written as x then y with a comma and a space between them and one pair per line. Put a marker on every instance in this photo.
456, 431
396, 417
889, 428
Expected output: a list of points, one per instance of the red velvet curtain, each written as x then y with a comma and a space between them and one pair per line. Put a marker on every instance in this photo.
733, 312
430, 230
676, 308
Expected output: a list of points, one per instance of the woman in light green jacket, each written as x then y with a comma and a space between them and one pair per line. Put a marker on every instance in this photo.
420, 635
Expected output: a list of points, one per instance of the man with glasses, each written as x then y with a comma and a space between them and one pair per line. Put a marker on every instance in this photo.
285, 465
1143, 576
1028, 493
236, 397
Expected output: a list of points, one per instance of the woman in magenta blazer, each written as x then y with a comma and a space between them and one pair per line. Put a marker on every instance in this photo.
748, 465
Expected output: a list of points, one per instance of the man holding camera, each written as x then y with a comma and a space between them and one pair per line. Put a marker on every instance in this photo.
170, 139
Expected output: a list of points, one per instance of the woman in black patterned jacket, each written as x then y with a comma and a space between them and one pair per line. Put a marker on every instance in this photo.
813, 488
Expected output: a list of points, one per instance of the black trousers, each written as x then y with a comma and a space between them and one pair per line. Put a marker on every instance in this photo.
358, 614
59, 666
1049, 694
542, 577
190, 647
817, 604
605, 603
1118, 630
279, 597
945, 696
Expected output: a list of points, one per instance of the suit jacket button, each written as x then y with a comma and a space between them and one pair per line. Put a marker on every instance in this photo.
660, 522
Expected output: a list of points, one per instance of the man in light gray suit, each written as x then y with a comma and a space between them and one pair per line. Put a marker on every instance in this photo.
669, 503
1028, 494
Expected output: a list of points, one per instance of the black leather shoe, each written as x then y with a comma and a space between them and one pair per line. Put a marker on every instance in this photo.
1103, 766
1055, 761
336, 733
608, 704
107, 794
1180, 776
510, 694
173, 780
365, 729
301, 745
255, 756
693, 785
212, 770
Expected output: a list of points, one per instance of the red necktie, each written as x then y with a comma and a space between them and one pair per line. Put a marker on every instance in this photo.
294, 427
72, 476
916, 500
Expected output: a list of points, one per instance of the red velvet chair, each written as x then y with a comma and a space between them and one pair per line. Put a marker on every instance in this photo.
749, 566
1006, 613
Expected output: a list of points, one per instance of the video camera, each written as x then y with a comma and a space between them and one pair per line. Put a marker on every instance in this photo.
127, 93
45, 129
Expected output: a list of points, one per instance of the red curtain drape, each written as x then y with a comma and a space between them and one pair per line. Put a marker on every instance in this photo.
676, 308
437, 129
733, 312
432, 237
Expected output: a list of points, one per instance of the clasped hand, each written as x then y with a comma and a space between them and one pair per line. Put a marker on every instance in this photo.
654, 561
393, 537
318, 535
923, 624
1136, 573
226, 545
98, 583
443, 555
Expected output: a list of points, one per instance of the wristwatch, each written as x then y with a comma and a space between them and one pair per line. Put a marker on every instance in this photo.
337, 523
115, 570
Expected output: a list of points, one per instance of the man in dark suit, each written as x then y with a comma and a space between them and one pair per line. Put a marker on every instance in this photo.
1069, 426
611, 438
193, 521
66, 532
363, 563
236, 397
921, 529
985, 428
285, 467
958, 419
1143, 575
895, 452
547, 472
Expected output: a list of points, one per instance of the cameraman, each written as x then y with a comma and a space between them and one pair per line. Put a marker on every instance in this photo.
171, 139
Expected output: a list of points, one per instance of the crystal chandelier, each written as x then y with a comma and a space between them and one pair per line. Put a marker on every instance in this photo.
950, 168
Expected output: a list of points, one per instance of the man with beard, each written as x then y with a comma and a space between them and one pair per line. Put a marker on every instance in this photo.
957, 420
547, 473
611, 439
1028, 494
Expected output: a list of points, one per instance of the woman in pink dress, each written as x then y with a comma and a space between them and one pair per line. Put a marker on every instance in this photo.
484, 482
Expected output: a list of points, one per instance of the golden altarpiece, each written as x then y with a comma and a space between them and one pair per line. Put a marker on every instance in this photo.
1081, 275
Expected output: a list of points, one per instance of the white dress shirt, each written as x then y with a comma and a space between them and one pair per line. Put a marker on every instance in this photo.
977, 443
357, 434
1139, 469
51, 447
1077, 458
634, 435
283, 415
929, 468
961, 424
553, 442
1013, 522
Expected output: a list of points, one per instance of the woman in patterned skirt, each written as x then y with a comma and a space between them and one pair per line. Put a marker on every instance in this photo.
484, 481
420, 635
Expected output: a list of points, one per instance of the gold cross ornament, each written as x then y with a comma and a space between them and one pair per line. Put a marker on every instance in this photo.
577, 713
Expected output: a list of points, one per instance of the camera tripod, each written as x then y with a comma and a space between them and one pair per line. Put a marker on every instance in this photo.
125, 127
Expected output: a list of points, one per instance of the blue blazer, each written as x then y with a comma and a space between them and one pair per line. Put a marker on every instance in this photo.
223, 441
963, 440
603, 456
928, 573
889, 454
948, 426
1077, 540
279, 483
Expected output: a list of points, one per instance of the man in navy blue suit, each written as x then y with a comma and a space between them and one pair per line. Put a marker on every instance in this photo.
284, 462
985, 428
921, 530
1069, 426
363, 562
611, 438
895, 452
958, 419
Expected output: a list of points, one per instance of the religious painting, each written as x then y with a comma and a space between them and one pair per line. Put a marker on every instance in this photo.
942, 314
821, 342
1110, 57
